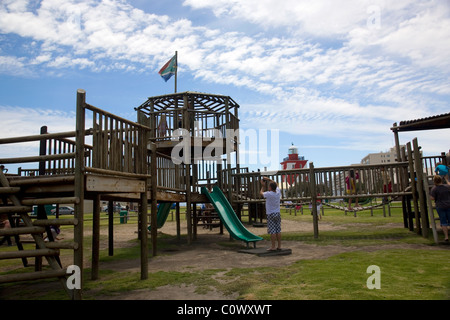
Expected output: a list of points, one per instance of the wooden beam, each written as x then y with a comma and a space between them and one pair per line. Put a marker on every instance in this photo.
114, 184
38, 158
38, 137
50, 189
61, 200
55, 222
21, 230
33, 276
9, 190
15, 209
28, 253
117, 173
160, 196
41, 180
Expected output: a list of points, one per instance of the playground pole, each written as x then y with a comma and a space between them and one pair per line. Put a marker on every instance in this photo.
312, 181
79, 188
176, 69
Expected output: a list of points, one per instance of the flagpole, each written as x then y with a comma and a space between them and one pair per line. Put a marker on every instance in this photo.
176, 69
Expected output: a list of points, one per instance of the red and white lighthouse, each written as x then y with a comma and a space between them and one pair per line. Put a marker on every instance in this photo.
292, 161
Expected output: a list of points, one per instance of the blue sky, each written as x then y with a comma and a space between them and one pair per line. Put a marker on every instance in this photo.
331, 76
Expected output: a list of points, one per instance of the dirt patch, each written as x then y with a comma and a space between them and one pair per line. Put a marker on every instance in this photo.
211, 250
171, 292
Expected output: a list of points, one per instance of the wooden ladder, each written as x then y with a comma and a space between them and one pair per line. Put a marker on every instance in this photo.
49, 250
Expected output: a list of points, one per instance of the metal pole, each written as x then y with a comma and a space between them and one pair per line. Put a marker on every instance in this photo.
176, 69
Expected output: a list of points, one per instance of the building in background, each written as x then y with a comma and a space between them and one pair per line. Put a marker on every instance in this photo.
380, 157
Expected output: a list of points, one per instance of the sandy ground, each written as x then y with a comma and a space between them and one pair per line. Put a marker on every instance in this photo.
211, 250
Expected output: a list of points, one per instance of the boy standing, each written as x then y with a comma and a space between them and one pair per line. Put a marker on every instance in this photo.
440, 193
272, 196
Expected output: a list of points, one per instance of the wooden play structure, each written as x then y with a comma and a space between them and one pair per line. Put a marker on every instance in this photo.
181, 145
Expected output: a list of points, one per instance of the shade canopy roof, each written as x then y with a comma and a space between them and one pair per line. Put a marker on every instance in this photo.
434, 122
198, 101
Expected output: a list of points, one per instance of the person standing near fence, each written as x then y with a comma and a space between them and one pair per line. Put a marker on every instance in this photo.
440, 193
350, 181
443, 171
273, 197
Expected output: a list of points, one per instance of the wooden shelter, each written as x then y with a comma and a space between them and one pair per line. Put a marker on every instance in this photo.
424, 170
429, 123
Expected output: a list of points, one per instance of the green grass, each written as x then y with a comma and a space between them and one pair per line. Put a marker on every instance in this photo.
416, 272
405, 275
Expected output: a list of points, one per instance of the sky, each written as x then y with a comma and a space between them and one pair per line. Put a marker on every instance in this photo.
329, 76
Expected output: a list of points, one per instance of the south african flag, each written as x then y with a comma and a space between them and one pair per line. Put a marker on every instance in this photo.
169, 69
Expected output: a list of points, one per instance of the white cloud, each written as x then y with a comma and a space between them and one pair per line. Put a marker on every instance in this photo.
18, 121
320, 18
13, 65
316, 63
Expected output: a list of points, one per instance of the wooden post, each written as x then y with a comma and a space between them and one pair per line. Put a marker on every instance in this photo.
143, 168
79, 187
420, 190
143, 229
154, 226
177, 210
404, 184
186, 124
194, 220
397, 142
110, 228
177, 215
228, 151
41, 214
42, 151
312, 182
413, 187
430, 208
238, 161
188, 202
95, 238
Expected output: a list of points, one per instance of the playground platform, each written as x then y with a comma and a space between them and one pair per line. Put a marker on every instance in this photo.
263, 252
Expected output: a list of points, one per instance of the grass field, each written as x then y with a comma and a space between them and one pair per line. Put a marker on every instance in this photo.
411, 267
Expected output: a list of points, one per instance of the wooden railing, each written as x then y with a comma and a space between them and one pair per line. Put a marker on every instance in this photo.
329, 182
119, 145
430, 163
170, 177
197, 123
56, 156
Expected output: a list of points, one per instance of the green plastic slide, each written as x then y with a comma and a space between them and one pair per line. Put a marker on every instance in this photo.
229, 217
163, 213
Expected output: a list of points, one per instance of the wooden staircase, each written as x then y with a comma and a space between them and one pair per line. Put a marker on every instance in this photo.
15, 202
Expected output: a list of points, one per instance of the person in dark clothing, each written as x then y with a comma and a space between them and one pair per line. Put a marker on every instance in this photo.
440, 193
